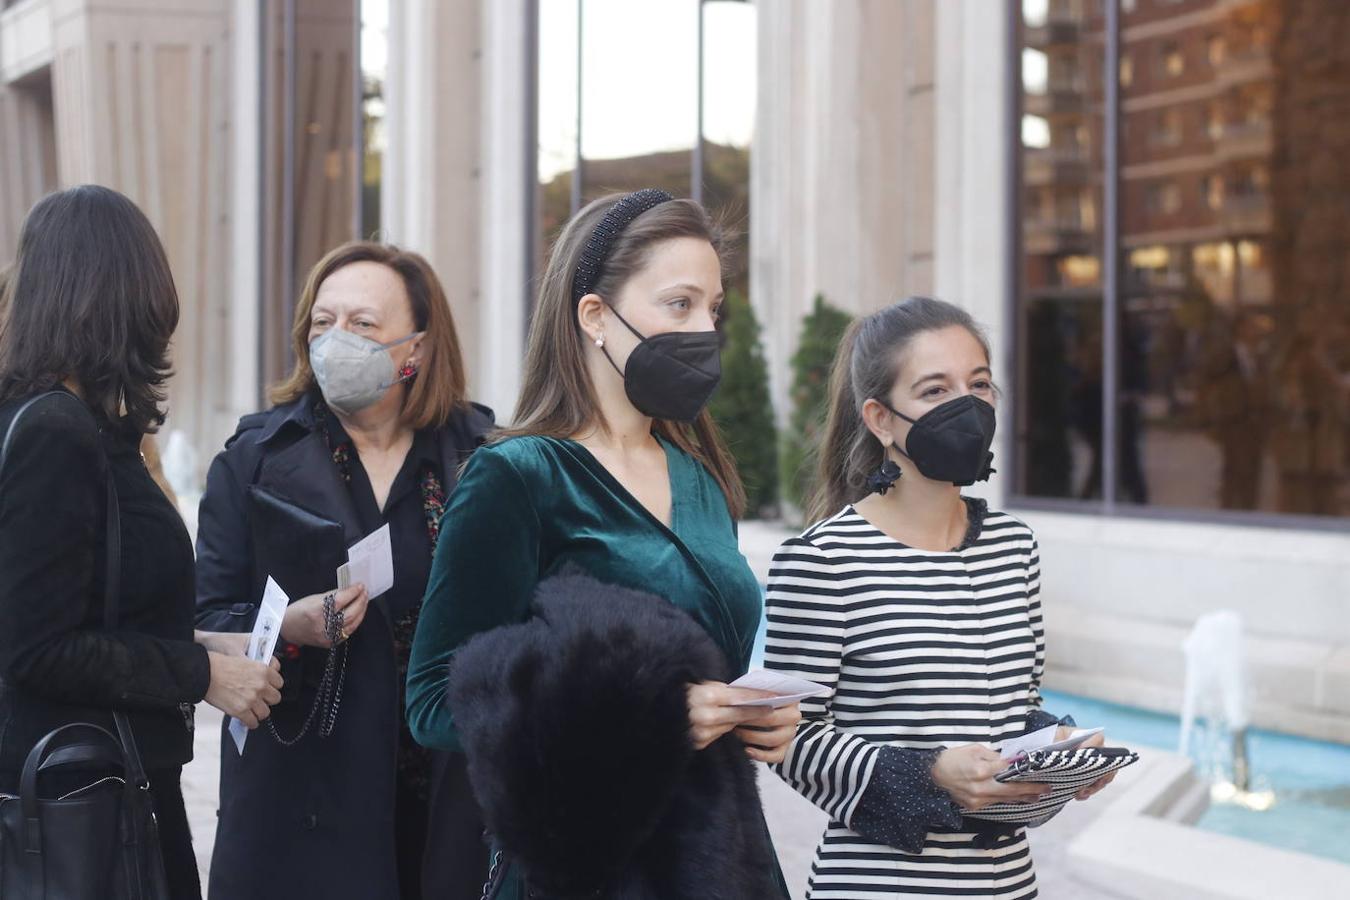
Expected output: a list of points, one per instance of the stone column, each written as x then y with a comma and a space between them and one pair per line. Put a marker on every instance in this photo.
456, 186
142, 98
972, 233
27, 127
508, 153
430, 198
842, 164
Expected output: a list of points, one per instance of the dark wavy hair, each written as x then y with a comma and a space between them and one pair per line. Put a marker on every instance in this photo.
91, 298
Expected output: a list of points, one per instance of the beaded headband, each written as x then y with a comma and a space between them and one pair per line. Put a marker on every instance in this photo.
607, 231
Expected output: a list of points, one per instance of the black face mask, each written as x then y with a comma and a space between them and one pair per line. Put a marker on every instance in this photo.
671, 375
951, 442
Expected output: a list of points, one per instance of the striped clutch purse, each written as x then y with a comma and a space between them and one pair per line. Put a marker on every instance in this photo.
1066, 771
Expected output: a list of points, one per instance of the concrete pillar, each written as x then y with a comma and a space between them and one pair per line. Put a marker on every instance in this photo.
27, 157
27, 127
972, 236
457, 185
142, 100
508, 153
842, 166
242, 393
431, 196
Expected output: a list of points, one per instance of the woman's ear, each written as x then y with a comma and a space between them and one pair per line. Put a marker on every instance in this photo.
878, 420
591, 317
417, 354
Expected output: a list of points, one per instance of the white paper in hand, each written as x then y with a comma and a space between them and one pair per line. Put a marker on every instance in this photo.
263, 640
785, 688
370, 562
1044, 739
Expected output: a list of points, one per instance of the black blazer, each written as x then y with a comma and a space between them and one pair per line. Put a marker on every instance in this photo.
57, 662
317, 818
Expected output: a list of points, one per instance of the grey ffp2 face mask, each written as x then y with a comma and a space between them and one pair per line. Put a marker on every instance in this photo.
353, 372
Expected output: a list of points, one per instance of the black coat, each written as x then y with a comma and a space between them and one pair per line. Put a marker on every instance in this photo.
316, 819
58, 663
576, 727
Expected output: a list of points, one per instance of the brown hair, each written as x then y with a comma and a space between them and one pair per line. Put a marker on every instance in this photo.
440, 386
865, 368
4, 298
557, 398
91, 298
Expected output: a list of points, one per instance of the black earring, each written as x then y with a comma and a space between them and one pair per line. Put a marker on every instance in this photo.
884, 478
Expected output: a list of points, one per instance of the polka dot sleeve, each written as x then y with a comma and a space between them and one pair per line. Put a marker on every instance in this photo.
902, 803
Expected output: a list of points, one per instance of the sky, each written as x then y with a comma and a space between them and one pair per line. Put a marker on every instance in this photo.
639, 75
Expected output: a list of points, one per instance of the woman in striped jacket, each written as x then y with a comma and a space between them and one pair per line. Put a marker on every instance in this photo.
919, 609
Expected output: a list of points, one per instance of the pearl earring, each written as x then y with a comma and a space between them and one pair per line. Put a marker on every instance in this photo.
600, 342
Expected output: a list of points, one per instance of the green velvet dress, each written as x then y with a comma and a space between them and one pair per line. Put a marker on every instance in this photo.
529, 505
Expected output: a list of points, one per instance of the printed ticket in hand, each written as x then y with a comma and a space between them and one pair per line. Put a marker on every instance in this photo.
263, 641
370, 561
785, 688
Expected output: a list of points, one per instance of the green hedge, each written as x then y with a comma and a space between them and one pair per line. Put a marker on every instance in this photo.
822, 331
742, 408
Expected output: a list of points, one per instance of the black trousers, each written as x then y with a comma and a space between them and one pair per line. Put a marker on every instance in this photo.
457, 855
175, 835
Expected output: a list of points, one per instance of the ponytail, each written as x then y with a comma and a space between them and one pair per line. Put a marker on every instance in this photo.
846, 437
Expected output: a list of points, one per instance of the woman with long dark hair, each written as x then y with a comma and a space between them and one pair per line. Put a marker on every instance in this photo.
91, 309
920, 609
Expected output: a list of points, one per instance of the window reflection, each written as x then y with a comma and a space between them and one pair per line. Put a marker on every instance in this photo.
1234, 367
633, 112
1059, 430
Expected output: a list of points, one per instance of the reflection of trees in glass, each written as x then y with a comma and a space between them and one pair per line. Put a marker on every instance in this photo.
741, 406
726, 191
372, 144
822, 331
1310, 249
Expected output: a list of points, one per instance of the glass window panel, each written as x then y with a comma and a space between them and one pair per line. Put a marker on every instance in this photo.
1059, 426
374, 71
730, 87
641, 132
1235, 308
557, 123
309, 196
639, 109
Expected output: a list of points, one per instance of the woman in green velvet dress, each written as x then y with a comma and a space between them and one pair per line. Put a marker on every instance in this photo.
613, 465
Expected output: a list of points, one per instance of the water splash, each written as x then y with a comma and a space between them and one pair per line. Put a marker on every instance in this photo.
1214, 710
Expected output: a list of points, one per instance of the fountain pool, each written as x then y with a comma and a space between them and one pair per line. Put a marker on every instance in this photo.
1310, 779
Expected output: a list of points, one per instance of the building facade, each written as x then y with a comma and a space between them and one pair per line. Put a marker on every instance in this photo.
1160, 256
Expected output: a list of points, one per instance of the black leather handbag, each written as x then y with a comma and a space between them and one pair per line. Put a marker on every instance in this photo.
98, 839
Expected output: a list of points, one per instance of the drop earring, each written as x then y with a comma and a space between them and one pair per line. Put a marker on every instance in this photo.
884, 478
